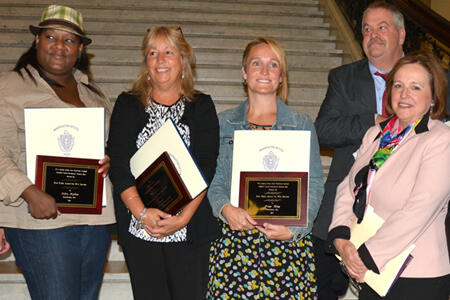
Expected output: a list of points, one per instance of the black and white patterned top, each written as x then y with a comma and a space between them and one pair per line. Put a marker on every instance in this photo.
158, 114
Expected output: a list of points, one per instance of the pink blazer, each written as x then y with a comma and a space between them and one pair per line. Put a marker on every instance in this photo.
410, 192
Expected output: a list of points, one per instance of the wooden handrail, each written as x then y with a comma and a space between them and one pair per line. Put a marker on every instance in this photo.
427, 19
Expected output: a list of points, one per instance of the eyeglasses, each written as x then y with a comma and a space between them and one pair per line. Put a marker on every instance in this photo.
353, 282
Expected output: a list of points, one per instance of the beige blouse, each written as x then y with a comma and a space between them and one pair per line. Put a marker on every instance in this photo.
16, 93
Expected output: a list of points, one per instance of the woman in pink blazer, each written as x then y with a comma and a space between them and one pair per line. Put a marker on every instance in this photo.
402, 170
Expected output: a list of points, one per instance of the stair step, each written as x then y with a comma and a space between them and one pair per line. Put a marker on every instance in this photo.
124, 14
116, 282
114, 286
309, 107
219, 89
140, 15
101, 25
322, 59
101, 3
204, 72
8, 267
235, 6
23, 38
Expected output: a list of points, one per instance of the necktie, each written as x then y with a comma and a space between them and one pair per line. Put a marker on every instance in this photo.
383, 104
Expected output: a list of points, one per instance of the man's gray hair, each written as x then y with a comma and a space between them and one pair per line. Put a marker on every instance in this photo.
397, 16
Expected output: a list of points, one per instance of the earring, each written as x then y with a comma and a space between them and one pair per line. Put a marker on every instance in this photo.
432, 104
148, 77
182, 73
244, 81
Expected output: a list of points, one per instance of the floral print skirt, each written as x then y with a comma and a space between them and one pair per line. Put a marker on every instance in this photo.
247, 265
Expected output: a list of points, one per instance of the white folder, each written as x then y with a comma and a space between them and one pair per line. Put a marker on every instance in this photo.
167, 138
360, 233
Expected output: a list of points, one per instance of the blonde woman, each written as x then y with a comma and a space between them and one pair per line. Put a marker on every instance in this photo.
269, 261
167, 256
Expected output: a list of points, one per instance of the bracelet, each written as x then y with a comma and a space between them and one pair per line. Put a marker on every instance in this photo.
140, 223
131, 197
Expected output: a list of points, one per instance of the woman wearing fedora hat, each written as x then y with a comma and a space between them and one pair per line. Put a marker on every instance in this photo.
61, 255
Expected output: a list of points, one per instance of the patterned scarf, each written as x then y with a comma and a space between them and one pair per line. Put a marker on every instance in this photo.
391, 137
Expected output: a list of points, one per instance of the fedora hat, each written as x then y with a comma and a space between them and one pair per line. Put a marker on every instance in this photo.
62, 18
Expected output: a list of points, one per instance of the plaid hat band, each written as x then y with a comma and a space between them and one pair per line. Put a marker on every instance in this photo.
62, 23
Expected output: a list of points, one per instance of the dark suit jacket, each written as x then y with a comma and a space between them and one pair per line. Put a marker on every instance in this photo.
346, 113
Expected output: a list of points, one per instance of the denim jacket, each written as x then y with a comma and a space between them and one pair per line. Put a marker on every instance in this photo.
287, 119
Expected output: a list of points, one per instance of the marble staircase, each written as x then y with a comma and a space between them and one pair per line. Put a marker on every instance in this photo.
218, 30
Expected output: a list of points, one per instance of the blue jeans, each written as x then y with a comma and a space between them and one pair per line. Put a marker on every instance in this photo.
63, 263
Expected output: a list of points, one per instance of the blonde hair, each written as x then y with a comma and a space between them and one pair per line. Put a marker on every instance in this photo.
282, 90
142, 87
437, 81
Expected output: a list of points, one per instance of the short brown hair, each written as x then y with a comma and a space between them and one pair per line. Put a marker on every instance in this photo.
282, 90
142, 87
438, 81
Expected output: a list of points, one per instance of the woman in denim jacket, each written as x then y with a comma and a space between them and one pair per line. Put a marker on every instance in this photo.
269, 261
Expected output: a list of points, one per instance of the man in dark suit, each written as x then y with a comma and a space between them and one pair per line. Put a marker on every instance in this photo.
353, 103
